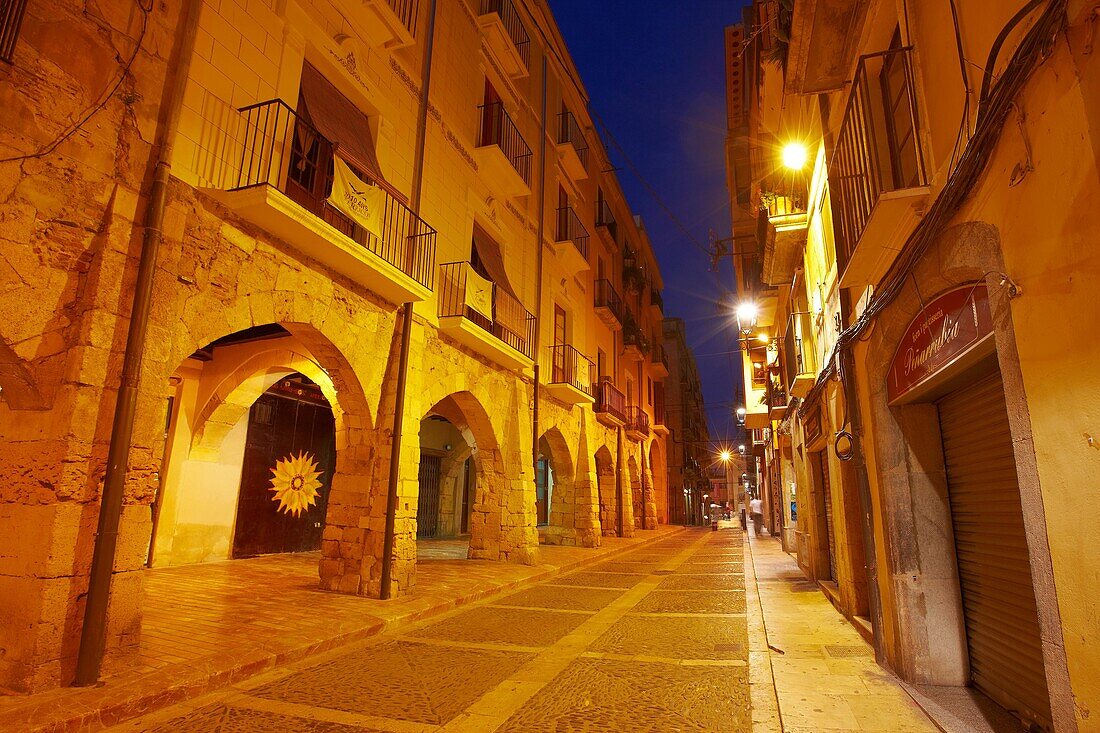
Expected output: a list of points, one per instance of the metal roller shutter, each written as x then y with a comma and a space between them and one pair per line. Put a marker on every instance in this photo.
822, 464
1002, 627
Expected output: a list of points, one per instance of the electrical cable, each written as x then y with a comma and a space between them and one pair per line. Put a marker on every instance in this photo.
105, 98
1030, 53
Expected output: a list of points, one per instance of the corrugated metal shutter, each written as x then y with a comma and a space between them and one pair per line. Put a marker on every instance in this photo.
1002, 627
427, 501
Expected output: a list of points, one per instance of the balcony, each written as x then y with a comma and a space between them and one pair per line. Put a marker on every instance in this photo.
657, 304
502, 153
658, 362
482, 316
572, 147
635, 343
776, 399
505, 36
637, 423
784, 202
388, 24
608, 304
282, 186
571, 375
572, 234
877, 174
660, 424
610, 404
605, 223
799, 364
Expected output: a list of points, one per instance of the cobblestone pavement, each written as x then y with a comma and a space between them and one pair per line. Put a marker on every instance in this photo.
653, 641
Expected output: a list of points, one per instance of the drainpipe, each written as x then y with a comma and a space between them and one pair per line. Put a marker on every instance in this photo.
386, 590
93, 632
538, 273
643, 487
863, 483
619, 480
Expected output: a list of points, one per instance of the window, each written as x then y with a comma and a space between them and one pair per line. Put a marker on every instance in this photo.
897, 102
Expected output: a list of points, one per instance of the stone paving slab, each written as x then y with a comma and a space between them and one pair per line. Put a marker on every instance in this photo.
526, 627
670, 601
562, 597
211, 626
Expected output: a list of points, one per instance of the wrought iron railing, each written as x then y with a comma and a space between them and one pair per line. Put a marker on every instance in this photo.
11, 18
878, 148
498, 129
609, 399
659, 413
512, 24
569, 366
513, 324
656, 298
776, 395
281, 150
570, 132
633, 334
797, 358
607, 297
637, 420
571, 229
657, 355
604, 216
408, 11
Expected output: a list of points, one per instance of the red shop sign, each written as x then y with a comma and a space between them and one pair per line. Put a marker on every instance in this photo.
947, 328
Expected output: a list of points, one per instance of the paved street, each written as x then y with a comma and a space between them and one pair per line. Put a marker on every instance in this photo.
653, 640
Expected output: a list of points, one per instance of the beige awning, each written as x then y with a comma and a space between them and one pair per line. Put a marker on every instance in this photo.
488, 252
337, 118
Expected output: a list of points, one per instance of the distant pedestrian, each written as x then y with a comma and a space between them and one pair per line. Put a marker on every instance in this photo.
756, 508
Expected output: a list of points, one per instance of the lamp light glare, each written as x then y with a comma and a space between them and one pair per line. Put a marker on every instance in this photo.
747, 312
763, 338
741, 411
725, 456
794, 156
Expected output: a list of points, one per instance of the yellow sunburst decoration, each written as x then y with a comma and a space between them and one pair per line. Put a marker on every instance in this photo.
295, 483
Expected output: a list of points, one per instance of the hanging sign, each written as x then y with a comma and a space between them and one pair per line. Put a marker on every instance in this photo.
945, 330
295, 483
361, 201
479, 293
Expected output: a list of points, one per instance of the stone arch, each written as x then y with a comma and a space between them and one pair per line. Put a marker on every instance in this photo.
637, 498
566, 525
608, 496
658, 470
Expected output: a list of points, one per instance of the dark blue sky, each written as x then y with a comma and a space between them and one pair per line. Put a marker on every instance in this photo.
654, 73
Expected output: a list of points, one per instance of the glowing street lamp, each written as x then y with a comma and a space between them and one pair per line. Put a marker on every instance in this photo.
740, 412
725, 456
794, 156
747, 312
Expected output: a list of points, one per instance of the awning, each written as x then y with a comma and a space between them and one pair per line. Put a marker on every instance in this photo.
338, 119
488, 252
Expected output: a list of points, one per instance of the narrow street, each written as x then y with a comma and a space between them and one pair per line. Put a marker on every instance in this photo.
654, 640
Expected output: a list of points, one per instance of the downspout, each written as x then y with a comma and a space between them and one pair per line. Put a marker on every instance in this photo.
386, 580
93, 631
538, 275
863, 484
644, 472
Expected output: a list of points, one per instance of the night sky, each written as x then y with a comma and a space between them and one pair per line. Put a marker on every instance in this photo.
654, 74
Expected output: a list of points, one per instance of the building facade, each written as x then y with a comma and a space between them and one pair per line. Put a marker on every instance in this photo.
915, 230
689, 447
390, 294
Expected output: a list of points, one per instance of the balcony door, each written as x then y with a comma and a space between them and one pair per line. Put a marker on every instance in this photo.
900, 117
559, 345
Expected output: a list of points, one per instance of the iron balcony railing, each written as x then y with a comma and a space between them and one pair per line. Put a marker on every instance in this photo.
776, 395
659, 413
656, 298
571, 229
633, 335
878, 148
408, 11
610, 400
570, 132
283, 151
797, 358
657, 355
569, 366
637, 420
11, 18
604, 217
513, 324
512, 24
498, 129
606, 297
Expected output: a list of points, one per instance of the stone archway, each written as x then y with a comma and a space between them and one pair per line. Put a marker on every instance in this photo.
221, 399
605, 483
658, 484
566, 513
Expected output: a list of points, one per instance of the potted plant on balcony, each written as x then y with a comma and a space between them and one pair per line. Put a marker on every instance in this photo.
633, 277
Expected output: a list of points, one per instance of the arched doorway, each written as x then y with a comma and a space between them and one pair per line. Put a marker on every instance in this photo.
555, 471
605, 484
258, 450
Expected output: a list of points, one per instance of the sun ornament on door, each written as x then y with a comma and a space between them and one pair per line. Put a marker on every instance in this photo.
295, 483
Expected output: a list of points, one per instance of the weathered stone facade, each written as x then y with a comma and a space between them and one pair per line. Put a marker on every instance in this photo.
242, 300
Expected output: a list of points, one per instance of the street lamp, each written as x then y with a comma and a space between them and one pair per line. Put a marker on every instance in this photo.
746, 312
740, 412
725, 456
794, 156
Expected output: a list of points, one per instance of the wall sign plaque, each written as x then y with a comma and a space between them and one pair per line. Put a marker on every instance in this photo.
948, 327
